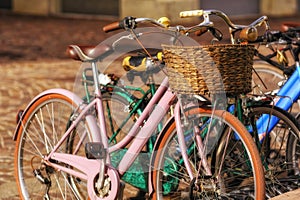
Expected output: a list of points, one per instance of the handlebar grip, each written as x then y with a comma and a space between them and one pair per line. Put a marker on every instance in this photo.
126, 23
191, 13
259, 39
287, 26
269, 37
112, 27
201, 31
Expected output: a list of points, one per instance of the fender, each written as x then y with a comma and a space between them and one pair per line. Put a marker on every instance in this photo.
77, 100
155, 148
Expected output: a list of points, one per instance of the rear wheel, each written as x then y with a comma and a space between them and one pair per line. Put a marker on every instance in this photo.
279, 149
119, 115
293, 158
266, 77
42, 126
230, 152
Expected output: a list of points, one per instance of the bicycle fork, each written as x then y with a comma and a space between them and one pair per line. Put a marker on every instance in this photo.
183, 147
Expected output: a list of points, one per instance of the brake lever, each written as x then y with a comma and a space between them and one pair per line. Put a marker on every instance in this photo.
216, 33
128, 23
128, 37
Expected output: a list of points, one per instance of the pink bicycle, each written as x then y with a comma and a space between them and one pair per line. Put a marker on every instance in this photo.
202, 152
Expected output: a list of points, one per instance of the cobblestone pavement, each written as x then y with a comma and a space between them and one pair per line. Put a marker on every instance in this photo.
20, 82
32, 59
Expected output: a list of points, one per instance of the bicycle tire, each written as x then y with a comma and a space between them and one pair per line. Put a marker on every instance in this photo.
270, 76
278, 149
178, 186
117, 114
293, 157
43, 124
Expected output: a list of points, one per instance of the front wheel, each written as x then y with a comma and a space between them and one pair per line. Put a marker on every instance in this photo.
43, 124
266, 77
279, 148
230, 154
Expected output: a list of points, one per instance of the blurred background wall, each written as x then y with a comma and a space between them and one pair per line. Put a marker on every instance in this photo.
149, 8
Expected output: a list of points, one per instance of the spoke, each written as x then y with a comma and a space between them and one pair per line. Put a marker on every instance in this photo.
42, 126
223, 156
33, 145
51, 113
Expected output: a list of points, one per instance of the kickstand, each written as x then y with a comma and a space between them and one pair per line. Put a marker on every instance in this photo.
121, 191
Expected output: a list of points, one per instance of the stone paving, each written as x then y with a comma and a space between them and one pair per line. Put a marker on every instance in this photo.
20, 82
32, 59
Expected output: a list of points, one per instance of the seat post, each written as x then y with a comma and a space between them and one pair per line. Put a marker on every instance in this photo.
96, 78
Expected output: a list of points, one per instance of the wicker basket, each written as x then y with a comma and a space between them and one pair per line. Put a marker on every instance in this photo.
209, 69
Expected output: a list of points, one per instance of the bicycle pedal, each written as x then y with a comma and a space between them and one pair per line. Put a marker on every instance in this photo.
95, 150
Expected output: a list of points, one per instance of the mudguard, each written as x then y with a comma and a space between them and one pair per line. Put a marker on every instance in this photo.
77, 100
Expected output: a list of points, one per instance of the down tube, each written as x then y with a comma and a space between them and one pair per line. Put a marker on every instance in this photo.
290, 91
146, 131
289, 94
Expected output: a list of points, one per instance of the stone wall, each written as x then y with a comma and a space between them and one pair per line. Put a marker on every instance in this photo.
36, 7
279, 7
153, 8
157, 8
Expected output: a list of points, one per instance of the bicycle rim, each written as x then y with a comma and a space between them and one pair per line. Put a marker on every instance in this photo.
119, 120
293, 157
270, 77
235, 163
42, 126
280, 159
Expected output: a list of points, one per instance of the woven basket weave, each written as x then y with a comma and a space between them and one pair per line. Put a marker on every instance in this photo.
209, 69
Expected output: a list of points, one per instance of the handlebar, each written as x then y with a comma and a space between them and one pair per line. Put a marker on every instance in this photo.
131, 23
248, 32
112, 27
289, 37
206, 13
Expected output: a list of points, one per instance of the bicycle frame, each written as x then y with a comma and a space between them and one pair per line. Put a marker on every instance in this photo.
94, 170
268, 58
87, 169
290, 91
136, 104
288, 94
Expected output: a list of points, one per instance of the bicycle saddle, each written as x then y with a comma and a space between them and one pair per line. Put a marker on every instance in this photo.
86, 53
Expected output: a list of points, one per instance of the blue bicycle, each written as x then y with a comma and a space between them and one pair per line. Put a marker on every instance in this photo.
285, 76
